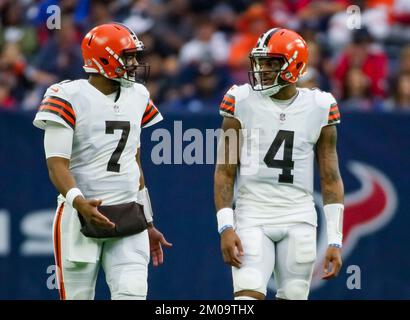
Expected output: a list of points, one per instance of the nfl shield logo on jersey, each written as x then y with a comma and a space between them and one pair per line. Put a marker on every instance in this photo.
116, 108
282, 117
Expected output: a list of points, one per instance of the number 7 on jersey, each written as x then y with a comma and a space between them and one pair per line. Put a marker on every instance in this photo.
110, 126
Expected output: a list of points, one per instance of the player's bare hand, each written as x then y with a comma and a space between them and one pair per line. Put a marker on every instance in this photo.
156, 241
332, 263
231, 247
89, 211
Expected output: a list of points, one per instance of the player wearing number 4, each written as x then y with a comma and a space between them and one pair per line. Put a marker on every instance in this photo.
272, 228
92, 145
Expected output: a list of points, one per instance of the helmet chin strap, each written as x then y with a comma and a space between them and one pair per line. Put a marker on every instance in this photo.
275, 88
124, 83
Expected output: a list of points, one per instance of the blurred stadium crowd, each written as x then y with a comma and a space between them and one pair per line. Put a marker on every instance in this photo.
198, 48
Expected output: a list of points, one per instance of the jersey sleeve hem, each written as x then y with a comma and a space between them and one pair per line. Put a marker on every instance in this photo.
154, 120
59, 155
42, 117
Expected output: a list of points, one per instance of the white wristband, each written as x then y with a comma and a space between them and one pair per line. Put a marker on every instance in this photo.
225, 219
72, 194
334, 223
144, 199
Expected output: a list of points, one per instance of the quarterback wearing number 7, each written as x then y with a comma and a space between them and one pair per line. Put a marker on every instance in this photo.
92, 145
265, 209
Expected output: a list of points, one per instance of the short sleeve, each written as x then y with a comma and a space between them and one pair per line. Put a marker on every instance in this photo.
329, 107
227, 106
55, 107
334, 114
151, 115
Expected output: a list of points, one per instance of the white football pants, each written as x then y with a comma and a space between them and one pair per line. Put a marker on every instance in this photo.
289, 252
124, 260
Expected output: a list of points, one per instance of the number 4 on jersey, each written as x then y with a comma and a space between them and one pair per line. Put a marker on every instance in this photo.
286, 164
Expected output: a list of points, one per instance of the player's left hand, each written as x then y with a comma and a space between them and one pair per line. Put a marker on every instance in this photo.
332, 264
156, 241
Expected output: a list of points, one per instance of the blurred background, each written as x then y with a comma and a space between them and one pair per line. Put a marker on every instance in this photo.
197, 49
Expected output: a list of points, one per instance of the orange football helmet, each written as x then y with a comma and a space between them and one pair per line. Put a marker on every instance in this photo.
107, 50
283, 44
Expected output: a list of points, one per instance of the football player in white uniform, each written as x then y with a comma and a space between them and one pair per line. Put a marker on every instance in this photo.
267, 221
92, 145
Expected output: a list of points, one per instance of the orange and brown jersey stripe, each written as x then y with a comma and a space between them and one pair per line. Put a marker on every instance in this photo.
228, 104
150, 113
60, 107
334, 114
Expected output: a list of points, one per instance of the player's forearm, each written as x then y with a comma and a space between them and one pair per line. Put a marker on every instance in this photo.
60, 175
332, 187
330, 179
143, 194
333, 197
224, 186
144, 198
141, 180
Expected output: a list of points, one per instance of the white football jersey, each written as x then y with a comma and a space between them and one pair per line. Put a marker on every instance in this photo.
106, 135
275, 178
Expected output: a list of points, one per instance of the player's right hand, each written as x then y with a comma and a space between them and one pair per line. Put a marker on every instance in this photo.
88, 210
231, 247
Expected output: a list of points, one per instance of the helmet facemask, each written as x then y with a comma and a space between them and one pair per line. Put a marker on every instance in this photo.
265, 73
132, 69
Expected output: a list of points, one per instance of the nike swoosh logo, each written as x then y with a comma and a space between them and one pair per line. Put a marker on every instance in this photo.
54, 89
